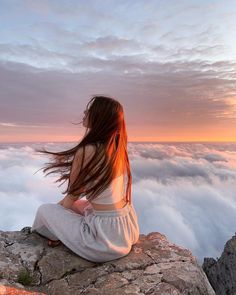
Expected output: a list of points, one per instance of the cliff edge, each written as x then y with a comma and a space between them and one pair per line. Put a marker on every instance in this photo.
222, 272
154, 266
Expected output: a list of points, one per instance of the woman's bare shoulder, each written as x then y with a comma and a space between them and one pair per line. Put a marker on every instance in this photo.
89, 151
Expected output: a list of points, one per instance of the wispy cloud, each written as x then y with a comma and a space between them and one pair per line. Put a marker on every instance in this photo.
18, 125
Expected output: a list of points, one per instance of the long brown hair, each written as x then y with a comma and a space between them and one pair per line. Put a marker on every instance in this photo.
107, 134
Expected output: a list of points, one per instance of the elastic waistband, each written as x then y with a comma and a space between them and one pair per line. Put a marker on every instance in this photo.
115, 212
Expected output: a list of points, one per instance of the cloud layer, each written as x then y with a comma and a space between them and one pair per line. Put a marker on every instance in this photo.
185, 191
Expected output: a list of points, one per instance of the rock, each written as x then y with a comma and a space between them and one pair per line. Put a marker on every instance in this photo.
154, 266
5, 289
221, 273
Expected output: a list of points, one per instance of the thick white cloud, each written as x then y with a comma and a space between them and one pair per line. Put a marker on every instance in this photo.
185, 191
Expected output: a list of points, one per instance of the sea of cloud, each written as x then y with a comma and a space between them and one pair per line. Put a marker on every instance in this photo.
186, 191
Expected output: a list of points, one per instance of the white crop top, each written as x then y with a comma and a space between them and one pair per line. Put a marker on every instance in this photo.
113, 193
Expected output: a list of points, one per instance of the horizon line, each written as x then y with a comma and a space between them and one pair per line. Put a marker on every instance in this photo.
150, 141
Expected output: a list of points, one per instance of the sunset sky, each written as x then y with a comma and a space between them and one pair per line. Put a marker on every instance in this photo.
171, 64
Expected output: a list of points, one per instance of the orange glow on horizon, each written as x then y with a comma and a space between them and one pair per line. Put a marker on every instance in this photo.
38, 139
217, 133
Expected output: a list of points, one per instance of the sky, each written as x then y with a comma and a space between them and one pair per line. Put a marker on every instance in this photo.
171, 64
185, 191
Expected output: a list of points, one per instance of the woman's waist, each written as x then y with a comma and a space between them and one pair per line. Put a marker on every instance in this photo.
103, 207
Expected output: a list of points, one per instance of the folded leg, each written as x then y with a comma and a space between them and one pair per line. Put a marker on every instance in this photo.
43, 230
55, 222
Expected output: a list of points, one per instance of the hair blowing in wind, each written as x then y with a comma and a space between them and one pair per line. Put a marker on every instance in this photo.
106, 136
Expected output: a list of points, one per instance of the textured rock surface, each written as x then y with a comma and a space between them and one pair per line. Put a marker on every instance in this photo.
222, 272
154, 266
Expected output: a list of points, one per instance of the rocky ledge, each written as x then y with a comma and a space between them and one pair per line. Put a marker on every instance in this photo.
154, 266
222, 272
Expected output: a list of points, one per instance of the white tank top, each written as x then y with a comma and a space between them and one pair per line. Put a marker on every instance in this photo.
113, 193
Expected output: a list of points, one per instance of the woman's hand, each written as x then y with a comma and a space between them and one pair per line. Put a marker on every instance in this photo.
76, 205
79, 206
67, 202
61, 202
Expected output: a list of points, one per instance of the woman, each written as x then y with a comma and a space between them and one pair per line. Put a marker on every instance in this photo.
104, 226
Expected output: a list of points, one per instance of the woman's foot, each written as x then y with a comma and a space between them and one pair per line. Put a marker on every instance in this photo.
53, 244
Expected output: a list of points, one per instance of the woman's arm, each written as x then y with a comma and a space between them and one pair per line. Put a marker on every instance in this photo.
68, 201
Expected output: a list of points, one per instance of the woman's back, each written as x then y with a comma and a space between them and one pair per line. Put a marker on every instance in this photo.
115, 192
